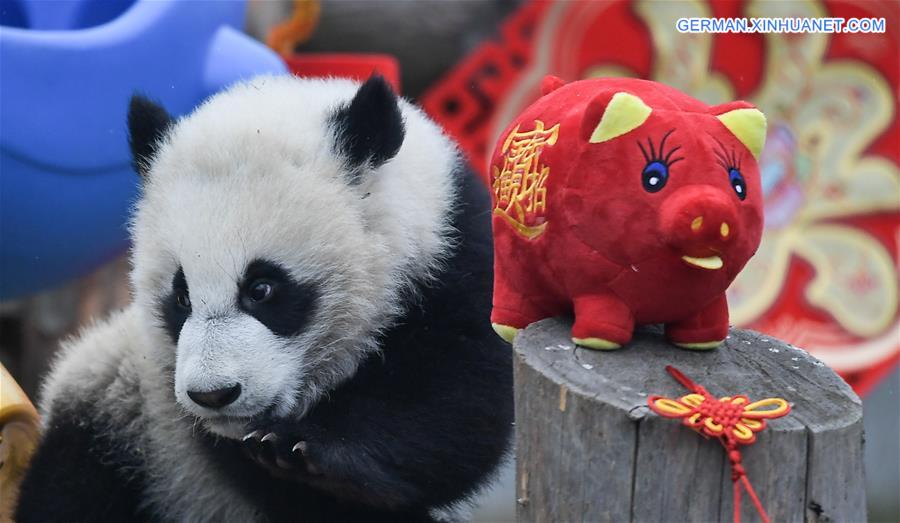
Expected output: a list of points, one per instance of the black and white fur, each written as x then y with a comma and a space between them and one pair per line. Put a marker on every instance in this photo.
317, 243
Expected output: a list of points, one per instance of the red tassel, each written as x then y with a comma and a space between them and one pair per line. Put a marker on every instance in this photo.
727, 414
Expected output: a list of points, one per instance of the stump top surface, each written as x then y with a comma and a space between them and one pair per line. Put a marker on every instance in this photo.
748, 363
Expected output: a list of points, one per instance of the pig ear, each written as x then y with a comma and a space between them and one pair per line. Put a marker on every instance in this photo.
624, 112
748, 124
551, 83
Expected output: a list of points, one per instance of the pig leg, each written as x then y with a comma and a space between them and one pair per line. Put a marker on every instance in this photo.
704, 330
602, 322
513, 310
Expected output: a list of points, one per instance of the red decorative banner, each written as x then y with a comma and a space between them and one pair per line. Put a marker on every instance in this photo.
825, 277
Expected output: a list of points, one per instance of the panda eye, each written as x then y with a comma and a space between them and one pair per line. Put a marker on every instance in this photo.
260, 291
183, 299
737, 182
655, 176
180, 291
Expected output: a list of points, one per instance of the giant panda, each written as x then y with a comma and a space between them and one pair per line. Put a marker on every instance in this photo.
309, 338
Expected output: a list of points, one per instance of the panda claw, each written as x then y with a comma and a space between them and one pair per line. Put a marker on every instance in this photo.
252, 445
251, 442
300, 451
251, 436
263, 448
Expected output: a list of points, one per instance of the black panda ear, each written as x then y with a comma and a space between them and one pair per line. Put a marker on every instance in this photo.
148, 123
369, 130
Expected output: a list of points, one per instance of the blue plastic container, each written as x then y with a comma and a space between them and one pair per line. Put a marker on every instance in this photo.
67, 72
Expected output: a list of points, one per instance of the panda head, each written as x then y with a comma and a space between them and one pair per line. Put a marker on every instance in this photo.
279, 228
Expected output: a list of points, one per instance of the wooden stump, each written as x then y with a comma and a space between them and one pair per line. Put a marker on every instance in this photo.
19, 433
589, 449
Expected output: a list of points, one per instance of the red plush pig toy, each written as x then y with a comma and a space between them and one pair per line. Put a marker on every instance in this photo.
624, 202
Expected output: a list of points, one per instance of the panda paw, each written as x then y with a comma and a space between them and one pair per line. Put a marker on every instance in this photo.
281, 455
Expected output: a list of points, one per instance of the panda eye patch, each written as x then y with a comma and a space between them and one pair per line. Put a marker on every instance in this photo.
175, 307
275, 298
180, 291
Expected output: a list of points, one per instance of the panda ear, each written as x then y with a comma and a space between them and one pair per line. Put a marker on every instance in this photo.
369, 130
148, 124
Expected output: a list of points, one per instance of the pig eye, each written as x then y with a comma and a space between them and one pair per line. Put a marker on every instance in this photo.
731, 162
656, 172
655, 176
737, 182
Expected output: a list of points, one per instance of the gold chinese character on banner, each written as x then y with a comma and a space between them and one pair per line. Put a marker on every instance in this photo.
519, 185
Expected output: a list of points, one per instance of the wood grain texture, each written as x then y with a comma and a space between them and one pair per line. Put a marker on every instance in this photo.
19, 433
588, 448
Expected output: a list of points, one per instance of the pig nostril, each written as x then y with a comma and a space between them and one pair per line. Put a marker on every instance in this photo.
697, 223
724, 230
216, 399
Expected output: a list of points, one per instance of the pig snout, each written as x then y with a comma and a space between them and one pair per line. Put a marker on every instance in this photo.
699, 220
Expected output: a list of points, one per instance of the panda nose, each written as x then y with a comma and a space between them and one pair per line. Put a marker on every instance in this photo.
216, 399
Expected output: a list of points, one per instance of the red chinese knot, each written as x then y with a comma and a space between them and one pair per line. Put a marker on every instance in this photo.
734, 420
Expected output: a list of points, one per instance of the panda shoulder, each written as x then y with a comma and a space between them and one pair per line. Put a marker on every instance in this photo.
99, 368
